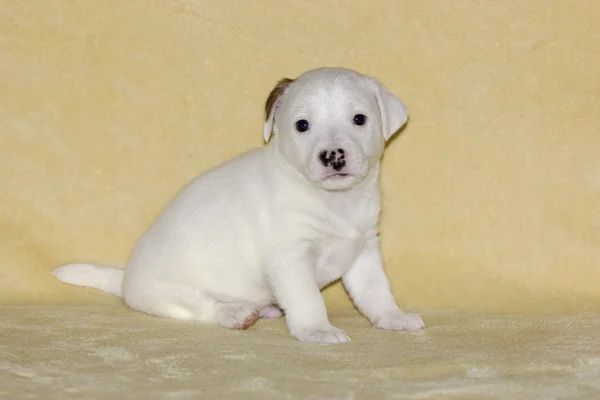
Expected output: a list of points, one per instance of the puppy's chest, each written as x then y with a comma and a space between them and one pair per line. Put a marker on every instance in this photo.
334, 256
350, 217
343, 232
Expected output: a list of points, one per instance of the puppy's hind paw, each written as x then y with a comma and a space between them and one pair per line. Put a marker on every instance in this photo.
237, 316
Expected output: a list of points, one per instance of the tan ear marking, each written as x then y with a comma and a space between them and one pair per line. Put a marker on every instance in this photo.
275, 94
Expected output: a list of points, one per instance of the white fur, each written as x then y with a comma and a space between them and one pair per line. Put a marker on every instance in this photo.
275, 225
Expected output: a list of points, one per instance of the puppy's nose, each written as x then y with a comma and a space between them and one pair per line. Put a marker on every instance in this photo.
334, 158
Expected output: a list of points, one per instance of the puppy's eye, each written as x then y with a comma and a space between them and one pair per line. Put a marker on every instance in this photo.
359, 119
302, 125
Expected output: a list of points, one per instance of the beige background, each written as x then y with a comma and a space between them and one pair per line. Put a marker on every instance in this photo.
492, 192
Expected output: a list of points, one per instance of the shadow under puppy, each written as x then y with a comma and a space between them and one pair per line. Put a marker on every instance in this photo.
268, 230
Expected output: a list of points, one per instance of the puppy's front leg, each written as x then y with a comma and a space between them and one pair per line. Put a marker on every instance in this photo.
370, 290
292, 277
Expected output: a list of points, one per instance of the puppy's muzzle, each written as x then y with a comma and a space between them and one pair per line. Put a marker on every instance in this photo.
335, 159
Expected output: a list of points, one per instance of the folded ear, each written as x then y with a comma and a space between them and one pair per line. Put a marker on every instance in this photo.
392, 109
272, 104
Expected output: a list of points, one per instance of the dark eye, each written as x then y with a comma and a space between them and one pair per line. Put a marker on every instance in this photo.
302, 125
359, 119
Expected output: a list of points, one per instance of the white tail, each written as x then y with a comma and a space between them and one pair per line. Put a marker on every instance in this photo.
94, 276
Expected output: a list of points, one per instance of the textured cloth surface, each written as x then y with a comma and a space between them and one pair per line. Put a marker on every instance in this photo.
113, 353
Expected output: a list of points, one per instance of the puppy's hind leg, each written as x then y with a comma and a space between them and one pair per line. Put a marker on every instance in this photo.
188, 304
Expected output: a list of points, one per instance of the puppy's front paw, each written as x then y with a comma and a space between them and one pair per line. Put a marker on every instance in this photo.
400, 322
329, 334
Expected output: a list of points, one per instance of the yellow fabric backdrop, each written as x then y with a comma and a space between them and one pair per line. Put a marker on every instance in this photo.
492, 192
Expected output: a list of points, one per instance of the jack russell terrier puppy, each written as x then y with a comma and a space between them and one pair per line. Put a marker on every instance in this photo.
266, 231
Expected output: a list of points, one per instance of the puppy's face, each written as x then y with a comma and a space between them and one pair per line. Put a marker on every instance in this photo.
331, 124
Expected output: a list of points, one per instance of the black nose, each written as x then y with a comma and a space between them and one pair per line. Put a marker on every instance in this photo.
335, 158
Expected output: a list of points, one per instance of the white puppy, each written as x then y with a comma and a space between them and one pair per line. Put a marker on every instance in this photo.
268, 230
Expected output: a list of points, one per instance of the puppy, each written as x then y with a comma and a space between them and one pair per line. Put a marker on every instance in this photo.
269, 229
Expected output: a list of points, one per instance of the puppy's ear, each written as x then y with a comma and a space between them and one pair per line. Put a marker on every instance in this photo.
272, 104
392, 109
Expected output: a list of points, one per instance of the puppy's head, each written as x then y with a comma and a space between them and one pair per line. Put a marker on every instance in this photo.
331, 124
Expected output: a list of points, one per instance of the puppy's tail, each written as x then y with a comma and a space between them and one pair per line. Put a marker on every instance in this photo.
95, 276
